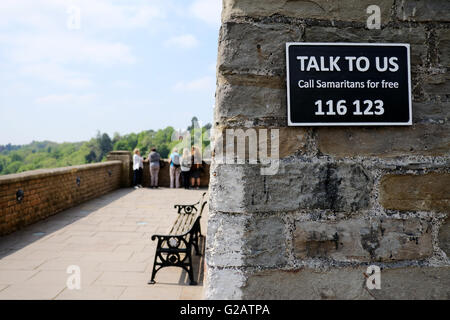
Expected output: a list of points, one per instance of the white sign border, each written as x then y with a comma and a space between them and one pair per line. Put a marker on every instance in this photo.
335, 124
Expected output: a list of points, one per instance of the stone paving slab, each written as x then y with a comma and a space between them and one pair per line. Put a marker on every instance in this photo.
109, 239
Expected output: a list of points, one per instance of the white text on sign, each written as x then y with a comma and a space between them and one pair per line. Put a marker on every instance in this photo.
335, 64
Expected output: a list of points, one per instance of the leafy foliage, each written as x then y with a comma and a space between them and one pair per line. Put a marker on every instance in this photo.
47, 154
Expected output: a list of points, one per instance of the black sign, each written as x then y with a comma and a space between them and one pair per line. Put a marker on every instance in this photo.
351, 84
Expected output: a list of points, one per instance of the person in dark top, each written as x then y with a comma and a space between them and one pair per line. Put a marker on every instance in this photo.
196, 167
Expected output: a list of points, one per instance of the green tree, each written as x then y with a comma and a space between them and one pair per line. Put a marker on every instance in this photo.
15, 157
194, 124
47, 154
116, 137
13, 167
105, 144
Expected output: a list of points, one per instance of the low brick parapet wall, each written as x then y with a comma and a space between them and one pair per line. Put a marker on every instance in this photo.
49, 191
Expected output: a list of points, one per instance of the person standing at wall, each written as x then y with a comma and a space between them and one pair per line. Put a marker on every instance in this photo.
154, 159
138, 164
175, 169
196, 167
185, 168
141, 171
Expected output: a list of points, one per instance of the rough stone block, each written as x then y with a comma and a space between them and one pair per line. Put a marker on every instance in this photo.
429, 283
423, 11
428, 192
248, 142
225, 240
297, 185
415, 36
385, 142
342, 10
265, 242
226, 188
292, 140
224, 284
249, 102
306, 284
436, 83
444, 237
378, 239
443, 46
431, 112
241, 240
257, 49
348, 284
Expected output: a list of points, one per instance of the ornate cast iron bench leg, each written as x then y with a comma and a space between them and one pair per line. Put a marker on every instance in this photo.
155, 263
170, 257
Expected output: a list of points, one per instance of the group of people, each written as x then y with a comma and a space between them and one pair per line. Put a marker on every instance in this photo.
188, 167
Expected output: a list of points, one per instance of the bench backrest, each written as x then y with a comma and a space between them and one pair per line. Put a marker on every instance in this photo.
186, 221
201, 199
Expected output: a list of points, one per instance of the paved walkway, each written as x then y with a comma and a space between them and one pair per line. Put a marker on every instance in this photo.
109, 239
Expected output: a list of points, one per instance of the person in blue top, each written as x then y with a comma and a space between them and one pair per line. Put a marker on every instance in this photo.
175, 169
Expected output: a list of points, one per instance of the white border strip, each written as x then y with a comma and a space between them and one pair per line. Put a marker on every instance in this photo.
335, 124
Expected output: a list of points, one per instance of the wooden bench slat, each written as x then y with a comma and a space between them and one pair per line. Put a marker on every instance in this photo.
189, 223
176, 223
182, 222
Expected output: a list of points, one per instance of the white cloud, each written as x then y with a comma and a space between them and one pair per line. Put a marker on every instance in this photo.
65, 99
207, 10
185, 41
201, 84
61, 57
104, 14
98, 14
65, 48
35, 38
57, 74
124, 84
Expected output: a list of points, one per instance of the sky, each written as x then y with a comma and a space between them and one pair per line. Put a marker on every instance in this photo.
70, 68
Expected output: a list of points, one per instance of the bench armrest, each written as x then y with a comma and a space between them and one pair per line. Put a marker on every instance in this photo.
173, 242
161, 237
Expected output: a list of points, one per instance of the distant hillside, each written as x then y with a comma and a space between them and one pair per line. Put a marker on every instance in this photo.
47, 154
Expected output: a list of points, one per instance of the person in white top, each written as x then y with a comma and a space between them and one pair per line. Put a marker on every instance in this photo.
138, 165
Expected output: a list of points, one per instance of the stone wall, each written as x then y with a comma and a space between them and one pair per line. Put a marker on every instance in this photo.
343, 198
49, 191
127, 166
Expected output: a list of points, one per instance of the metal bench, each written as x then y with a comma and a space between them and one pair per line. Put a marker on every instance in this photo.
189, 208
175, 248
